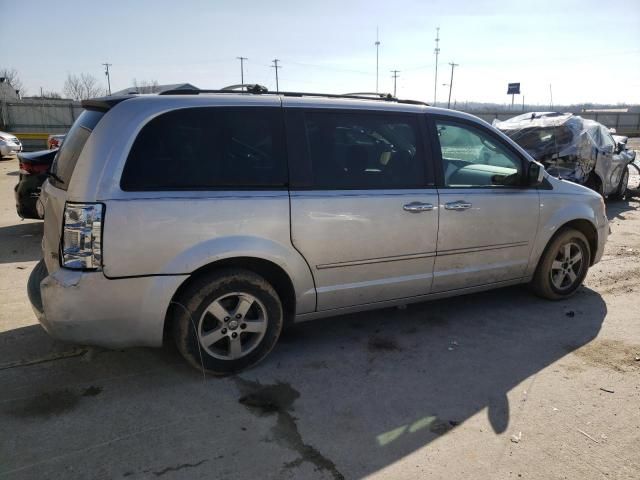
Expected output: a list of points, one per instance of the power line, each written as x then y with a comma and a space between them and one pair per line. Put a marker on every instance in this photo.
435, 80
242, 59
395, 78
276, 66
453, 65
106, 72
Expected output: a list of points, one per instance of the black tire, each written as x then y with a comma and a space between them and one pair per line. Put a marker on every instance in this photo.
545, 282
621, 191
192, 320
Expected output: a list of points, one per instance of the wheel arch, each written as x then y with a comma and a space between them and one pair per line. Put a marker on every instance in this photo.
269, 270
584, 226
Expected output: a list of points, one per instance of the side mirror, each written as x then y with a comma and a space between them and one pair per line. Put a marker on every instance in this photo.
619, 147
535, 174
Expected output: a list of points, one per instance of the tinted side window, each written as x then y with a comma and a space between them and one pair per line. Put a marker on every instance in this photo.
65, 161
204, 148
364, 150
473, 158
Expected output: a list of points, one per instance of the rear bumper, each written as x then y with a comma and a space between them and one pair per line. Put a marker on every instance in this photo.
27, 194
90, 309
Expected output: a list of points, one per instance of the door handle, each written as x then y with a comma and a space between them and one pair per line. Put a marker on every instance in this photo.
459, 205
417, 207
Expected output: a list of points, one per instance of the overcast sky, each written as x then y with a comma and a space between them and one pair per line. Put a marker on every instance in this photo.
588, 50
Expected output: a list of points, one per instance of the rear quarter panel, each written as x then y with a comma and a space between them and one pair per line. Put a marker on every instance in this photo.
175, 234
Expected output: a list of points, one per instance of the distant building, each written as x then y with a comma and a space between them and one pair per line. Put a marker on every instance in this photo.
7, 92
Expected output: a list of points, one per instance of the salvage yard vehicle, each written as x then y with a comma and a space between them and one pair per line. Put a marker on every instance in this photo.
220, 217
9, 145
573, 148
34, 170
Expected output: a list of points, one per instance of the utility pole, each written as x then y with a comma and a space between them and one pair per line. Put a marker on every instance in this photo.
395, 78
550, 98
276, 66
453, 65
106, 72
437, 52
242, 59
377, 44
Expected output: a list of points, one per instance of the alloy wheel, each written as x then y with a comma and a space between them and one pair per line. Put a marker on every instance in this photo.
567, 266
232, 326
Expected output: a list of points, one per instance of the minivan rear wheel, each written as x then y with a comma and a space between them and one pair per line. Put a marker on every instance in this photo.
563, 265
227, 321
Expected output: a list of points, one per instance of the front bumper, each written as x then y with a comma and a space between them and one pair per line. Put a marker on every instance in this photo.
90, 309
603, 234
7, 149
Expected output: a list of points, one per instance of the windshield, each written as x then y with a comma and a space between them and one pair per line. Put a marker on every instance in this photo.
67, 156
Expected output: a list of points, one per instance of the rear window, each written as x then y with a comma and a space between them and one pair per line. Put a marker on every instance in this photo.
67, 156
209, 148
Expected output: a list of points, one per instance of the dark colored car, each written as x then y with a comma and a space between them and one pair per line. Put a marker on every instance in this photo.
34, 170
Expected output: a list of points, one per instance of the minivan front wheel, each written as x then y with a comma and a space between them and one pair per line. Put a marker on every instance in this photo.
227, 321
563, 266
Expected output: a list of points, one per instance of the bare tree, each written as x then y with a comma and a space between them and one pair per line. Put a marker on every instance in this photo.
146, 86
12, 77
81, 87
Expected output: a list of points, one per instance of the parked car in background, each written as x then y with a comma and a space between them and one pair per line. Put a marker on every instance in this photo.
9, 145
55, 141
573, 148
217, 218
34, 169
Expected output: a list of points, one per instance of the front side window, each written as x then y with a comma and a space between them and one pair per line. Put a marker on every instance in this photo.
473, 158
208, 148
355, 150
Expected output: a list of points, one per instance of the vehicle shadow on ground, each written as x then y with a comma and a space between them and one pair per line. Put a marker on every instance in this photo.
21, 242
348, 394
617, 208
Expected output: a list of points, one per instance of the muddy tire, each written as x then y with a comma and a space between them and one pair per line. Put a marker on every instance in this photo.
621, 191
227, 321
563, 265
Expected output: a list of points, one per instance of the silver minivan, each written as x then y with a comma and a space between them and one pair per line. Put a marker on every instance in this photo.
218, 218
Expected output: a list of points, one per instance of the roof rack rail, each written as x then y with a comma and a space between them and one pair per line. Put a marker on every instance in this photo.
381, 96
259, 89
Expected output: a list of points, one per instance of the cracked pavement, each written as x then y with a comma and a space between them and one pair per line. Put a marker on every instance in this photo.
496, 385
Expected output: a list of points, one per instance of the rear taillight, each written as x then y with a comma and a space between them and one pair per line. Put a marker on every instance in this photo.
33, 168
82, 236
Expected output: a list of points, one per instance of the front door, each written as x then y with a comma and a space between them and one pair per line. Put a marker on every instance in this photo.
362, 212
488, 218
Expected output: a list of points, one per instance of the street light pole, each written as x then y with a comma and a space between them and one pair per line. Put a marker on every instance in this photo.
453, 65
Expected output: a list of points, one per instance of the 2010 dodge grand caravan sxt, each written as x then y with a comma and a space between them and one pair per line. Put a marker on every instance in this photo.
218, 218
